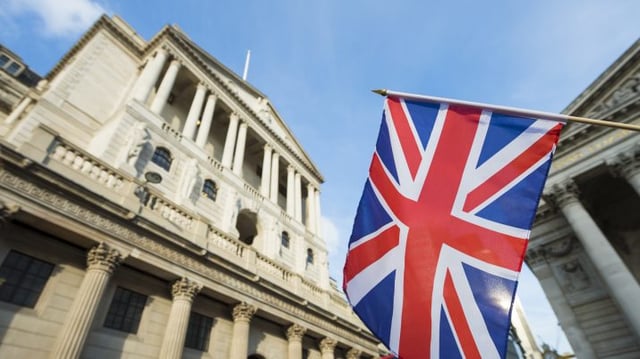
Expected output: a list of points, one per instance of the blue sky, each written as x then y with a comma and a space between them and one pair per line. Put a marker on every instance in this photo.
317, 61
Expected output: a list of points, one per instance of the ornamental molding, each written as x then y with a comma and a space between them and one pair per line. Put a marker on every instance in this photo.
102, 257
354, 353
628, 92
562, 194
243, 312
185, 288
627, 164
295, 332
327, 345
7, 211
57, 203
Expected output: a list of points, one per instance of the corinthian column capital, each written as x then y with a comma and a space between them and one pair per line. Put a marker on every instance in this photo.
627, 164
562, 194
243, 312
295, 332
103, 257
328, 345
353, 353
185, 288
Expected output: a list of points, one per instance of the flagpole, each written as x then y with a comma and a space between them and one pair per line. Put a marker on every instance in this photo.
511, 110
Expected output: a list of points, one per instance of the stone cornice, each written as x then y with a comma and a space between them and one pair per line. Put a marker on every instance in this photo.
53, 200
104, 22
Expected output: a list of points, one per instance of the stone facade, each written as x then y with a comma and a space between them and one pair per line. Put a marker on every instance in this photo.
154, 204
585, 243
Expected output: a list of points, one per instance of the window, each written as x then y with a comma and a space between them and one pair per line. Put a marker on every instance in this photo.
210, 189
284, 239
309, 257
125, 310
162, 157
198, 332
22, 279
3, 60
14, 68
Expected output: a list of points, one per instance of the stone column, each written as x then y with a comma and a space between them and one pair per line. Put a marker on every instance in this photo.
327, 348
311, 209
149, 76
353, 353
230, 141
194, 112
238, 159
562, 309
318, 215
628, 166
622, 285
242, 314
101, 262
265, 178
297, 198
290, 191
207, 118
183, 292
275, 177
165, 87
295, 333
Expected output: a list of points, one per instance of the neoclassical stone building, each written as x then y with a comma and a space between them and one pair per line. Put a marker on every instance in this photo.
585, 243
155, 205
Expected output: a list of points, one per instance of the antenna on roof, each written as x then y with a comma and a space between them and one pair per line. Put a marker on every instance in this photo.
246, 65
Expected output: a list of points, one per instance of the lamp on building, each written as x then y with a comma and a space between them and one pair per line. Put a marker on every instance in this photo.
142, 192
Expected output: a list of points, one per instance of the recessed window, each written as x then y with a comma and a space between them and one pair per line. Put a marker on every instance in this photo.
210, 189
284, 239
198, 332
14, 68
162, 157
22, 279
3, 60
125, 310
309, 256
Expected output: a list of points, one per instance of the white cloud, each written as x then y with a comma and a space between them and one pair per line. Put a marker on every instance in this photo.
336, 247
59, 18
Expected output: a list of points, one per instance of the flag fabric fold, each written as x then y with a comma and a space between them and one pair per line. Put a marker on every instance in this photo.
442, 226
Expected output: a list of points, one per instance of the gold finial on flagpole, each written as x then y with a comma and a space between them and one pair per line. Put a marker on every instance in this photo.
381, 92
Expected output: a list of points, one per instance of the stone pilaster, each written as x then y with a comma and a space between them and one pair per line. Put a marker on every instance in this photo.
149, 76
297, 197
183, 292
101, 262
194, 112
622, 285
290, 191
164, 90
354, 353
295, 333
238, 159
327, 347
207, 118
230, 140
275, 177
311, 209
242, 314
265, 177
317, 212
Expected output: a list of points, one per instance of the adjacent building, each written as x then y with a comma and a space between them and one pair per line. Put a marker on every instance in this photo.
585, 243
155, 205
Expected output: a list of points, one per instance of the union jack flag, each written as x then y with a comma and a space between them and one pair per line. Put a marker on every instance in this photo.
442, 226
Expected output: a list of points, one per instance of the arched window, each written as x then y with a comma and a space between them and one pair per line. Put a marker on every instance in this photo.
210, 189
309, 257
162, 157
284, 239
